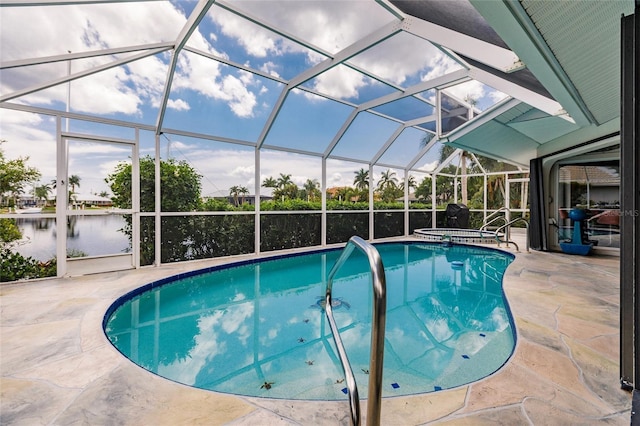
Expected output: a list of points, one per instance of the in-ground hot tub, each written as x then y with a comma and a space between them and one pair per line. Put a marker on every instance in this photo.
456, 235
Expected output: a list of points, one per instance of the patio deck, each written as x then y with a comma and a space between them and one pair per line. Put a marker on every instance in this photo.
58, 368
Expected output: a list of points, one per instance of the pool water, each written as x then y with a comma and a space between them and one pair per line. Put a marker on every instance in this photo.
258, 328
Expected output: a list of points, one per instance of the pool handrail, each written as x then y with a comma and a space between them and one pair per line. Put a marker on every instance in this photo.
495, 219
379, 283
494, 216
507, 233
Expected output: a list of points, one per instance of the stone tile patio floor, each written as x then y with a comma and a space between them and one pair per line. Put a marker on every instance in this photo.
58, 368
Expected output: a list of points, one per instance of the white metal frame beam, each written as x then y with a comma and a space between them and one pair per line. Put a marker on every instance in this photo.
199, 12
82, 55
359, 46
514, 90
80, 74
350, 51
495, 56
454, 77
487, 116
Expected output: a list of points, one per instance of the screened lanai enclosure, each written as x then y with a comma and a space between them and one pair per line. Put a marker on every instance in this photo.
140, 133
169, 134
165, 131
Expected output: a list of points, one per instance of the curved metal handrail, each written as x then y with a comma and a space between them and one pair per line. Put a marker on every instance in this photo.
497, 212
484, 225
507, 228
379, 283
494, 216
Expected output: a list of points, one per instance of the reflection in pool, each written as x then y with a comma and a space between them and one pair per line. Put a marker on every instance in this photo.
258, 328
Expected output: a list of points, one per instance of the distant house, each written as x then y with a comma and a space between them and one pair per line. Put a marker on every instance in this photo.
26, 200
91, 200
335, 193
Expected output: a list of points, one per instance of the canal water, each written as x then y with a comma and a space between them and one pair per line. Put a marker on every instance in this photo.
91, 235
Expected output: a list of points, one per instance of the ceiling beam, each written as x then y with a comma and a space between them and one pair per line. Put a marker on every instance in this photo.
485, 117
199, 12
350, 51
423, 152
458, 76
80, 74
527, 96
81, 55
495, 56
345, 126
387, 144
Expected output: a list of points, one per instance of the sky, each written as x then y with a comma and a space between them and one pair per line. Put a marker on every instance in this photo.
211, 97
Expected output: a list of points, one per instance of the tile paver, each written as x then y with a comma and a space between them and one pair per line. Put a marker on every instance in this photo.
58, 368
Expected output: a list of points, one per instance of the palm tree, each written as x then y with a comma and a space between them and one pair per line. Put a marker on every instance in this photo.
411, 183
270, 182
361, 180
445, 152
243, 190
311, 188
42, 192
284, 180
388, 179
73, 181
234, 191
343, 193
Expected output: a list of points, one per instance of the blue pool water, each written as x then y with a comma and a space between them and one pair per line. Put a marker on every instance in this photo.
258, 328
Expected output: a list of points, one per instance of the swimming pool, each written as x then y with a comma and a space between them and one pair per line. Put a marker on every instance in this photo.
258, 328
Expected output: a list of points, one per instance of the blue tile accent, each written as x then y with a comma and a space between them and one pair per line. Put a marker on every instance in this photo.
465, 356
395, 385
345, 391
483, 335
437, 388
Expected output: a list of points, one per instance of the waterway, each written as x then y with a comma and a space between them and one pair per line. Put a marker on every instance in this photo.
90, 235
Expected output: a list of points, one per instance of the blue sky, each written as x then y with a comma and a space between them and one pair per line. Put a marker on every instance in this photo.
214, 98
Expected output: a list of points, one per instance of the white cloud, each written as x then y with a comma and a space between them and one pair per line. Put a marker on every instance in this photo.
322, 23
57, 29
468, 90
123, 89
340, 82
205, 77
497, 96
148, 76
429, 167
270, 68
241, 101
336, 179
105, 93
29, 135
94, 149
178, 104
245, 172
255, 40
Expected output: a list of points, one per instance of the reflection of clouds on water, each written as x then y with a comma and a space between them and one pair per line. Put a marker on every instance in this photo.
440, 329
280, 334
234, 321
239, 297
208, 344
499, 319
272, 333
